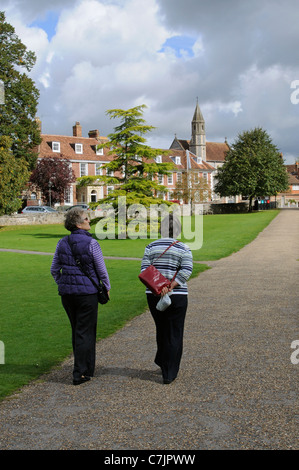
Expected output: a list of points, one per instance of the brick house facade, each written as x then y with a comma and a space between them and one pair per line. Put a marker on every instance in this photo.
290, 198
195, 155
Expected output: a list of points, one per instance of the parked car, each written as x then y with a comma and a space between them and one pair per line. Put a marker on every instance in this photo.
84, 206
37, 209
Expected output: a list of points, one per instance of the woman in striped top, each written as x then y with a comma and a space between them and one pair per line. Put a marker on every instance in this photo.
170, 322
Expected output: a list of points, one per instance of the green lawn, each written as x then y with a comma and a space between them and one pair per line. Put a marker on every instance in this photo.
222, 236
33, 324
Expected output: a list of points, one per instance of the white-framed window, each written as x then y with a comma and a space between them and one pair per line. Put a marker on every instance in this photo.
78, 148
83, 169
295, 187
170, 179
205, 175
98, 170
110, 189
179, 177
93, 196
56, 146
160, 179
109, 172
177, 160
67, 195
159, 159
99, 151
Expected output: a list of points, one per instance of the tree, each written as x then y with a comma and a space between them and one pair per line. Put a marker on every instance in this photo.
14, 175
192, 188
17, 116
253, 168
134, 167
53, 175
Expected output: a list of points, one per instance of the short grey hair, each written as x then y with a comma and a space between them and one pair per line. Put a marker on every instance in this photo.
74, 217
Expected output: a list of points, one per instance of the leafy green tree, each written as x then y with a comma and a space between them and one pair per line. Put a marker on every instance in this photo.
253, 168
17, 115
133, 169
14, 175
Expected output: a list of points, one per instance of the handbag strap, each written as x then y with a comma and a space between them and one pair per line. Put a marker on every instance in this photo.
173, 243
78, 263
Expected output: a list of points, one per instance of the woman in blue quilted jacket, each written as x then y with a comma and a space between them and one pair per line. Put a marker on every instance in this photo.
78, 293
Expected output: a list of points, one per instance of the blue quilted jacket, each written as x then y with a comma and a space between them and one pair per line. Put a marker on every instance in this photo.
72, 281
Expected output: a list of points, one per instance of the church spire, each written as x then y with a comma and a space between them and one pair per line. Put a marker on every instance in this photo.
198, 134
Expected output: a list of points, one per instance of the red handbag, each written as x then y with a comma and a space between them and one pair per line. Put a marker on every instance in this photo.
153, 279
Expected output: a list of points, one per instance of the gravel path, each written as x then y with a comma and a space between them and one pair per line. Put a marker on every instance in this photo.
237, 388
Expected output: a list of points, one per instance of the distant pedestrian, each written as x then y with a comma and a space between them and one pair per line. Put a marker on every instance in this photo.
78, 293
170, 322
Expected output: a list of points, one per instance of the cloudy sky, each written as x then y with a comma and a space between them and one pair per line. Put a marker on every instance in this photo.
239, 57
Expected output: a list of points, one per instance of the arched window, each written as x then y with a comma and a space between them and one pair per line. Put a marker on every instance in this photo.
93, 196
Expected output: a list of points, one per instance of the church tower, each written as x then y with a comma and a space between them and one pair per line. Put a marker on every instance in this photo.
198, 135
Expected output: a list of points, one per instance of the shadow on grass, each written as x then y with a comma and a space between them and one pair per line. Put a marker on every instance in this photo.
43, 235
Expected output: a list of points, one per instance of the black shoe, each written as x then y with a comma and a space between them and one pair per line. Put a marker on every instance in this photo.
168, 381
81, 380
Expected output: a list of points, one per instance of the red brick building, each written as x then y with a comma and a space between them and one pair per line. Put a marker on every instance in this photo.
290, 198
195, 155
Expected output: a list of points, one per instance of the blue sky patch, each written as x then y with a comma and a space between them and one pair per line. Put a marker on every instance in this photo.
48, 24
182, 45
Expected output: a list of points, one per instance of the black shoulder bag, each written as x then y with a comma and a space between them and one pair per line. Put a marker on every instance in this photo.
103, 296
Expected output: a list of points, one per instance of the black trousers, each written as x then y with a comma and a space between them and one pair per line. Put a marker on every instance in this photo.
169, 333
82, 311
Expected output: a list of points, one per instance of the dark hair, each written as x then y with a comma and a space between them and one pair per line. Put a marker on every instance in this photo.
74, 217
170, 227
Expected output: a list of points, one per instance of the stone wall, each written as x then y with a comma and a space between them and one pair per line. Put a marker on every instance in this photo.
36, 219
49, 218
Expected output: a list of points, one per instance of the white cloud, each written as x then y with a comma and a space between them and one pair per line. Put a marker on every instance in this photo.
105, 54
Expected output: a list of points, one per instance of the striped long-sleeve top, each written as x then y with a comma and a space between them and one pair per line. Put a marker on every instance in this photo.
179, 256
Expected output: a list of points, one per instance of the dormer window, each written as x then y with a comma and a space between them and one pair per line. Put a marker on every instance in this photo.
177, 160
100, 151
56, 146
197, 160
78, 148
159, 159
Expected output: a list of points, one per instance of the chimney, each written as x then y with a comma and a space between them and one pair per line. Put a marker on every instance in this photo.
77, 130
95, 134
